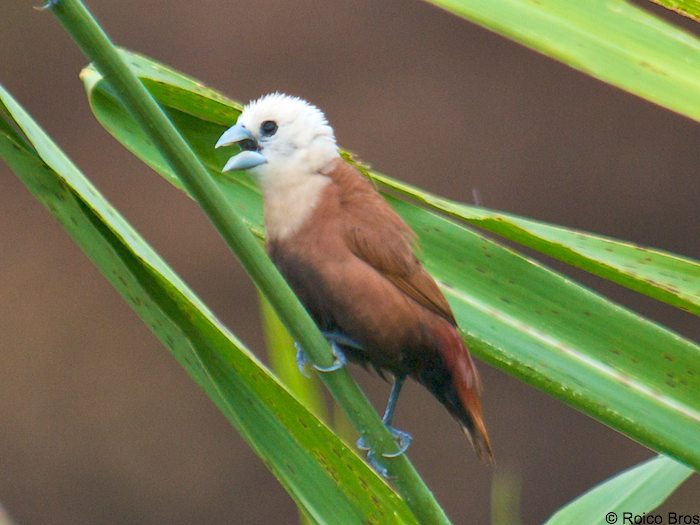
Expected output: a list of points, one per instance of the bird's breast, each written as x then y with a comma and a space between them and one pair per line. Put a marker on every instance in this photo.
290, 200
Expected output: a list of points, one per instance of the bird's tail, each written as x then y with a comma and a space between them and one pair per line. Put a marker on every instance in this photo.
455, 382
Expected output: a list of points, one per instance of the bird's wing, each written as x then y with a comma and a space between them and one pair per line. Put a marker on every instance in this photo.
377, 235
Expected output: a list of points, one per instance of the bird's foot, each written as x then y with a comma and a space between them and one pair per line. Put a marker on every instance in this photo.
376, 465
339, 362
403, 441
303, 361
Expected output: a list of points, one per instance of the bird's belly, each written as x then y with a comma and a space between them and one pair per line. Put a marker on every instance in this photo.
352, 299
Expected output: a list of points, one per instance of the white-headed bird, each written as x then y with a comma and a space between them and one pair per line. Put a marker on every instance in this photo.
348, 256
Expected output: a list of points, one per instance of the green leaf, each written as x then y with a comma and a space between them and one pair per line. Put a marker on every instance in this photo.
327, 480
636, 491
632, 374
611, 40
664, 276
281, 352
689, 8
628, 372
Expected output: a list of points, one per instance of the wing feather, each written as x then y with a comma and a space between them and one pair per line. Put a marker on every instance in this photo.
376, 234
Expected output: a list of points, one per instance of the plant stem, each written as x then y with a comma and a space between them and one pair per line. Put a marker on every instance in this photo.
97, 46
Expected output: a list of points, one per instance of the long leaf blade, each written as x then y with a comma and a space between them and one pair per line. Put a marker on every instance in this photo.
635, 491
326, 479
665, 276
629, 373
611, 40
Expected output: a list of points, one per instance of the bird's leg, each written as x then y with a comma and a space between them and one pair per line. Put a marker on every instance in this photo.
403, 439
340, 359
393, 398
342, 339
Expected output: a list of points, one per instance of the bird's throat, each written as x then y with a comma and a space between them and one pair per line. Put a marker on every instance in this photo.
290, 201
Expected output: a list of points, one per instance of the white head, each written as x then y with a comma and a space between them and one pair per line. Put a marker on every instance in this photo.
280, 135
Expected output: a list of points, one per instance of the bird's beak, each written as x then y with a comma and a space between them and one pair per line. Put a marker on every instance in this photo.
246, 159
234, 135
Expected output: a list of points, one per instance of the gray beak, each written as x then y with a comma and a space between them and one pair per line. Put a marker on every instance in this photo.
247, 158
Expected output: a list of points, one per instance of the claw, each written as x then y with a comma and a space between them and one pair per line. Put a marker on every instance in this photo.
403, 441
339, 362
360, 443
303, 361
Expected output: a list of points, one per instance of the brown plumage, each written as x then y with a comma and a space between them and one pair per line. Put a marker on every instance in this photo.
352, 266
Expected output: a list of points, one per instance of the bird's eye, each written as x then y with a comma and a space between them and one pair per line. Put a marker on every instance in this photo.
248, 145
268, 128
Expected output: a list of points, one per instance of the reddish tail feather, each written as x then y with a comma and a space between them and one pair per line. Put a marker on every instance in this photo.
454, 381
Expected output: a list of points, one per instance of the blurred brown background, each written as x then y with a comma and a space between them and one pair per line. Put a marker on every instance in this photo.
98, 424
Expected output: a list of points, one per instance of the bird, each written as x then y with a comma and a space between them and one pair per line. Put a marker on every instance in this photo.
350, 259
